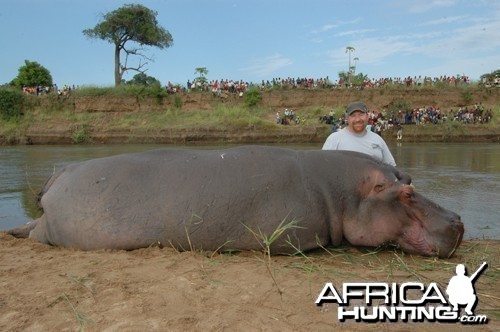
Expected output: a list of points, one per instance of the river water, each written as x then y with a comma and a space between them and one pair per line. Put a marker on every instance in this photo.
464, 178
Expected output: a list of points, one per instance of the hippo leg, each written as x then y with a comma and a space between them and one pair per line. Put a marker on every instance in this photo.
39, 233
23, 231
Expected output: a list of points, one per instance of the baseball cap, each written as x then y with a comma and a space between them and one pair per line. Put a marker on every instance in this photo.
356, 106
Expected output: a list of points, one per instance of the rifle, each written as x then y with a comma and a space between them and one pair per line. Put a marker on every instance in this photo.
478, 271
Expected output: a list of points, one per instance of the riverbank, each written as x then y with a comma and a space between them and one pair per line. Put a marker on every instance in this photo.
105, 117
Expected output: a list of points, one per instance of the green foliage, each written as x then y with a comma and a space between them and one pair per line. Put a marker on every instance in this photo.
441, 85
252, 97
356, 80
32, 74
134, 23
491, 76
143, 79
202, 72
451, 129
80, 136
178, 102
125, 90
399, 105
11, 104
467, 97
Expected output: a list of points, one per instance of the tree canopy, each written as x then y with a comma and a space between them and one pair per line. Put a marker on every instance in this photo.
202, 72
143, 79
32, 74
130, 23
358, 79
491, 76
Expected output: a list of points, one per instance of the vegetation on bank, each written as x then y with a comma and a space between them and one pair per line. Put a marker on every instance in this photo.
20, 113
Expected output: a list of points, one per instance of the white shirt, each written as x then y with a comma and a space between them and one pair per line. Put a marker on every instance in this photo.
368, 143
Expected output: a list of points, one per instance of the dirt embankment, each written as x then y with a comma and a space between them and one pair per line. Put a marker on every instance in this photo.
310, 104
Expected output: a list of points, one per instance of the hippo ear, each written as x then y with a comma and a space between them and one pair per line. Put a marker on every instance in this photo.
405, 194
403, 177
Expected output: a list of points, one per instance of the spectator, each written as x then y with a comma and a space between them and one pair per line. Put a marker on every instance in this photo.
355, 137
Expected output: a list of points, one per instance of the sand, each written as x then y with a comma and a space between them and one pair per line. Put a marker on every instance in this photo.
45, 288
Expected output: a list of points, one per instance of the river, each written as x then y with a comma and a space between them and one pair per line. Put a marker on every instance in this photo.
464, 178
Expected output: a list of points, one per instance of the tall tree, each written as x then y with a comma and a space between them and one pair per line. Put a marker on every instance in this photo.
32, 74
202, 71
349, 49
134, 23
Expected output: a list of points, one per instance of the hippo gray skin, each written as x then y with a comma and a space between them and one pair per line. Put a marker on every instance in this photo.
227, 199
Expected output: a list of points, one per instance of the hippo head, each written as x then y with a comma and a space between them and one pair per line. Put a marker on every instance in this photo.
391, 212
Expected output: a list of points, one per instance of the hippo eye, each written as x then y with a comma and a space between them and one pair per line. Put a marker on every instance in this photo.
379, 187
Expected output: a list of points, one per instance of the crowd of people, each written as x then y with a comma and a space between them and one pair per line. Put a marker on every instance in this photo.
42, 90
380, 121
239, 86
226, 86
474, 114
287, 117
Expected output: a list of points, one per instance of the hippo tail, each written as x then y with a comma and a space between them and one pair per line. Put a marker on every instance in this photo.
24, 230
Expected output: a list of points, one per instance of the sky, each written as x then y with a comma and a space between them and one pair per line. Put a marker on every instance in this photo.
255, 40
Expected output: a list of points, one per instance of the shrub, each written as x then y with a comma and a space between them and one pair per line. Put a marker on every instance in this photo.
467, 97
252, 97
178, 102
11, 104
80, 136
399, 105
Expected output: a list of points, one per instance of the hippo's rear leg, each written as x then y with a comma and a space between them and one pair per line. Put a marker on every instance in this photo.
35, 229
39, 233
23, 231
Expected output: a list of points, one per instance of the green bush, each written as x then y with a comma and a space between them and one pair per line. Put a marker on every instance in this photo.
252, 97
467, 97
11, 104
178, 102
80, 136
399, 105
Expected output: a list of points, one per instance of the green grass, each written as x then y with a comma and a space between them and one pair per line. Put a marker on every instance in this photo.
221, 116
120, 91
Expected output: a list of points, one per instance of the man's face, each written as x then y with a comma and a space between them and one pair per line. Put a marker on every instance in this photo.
358, 121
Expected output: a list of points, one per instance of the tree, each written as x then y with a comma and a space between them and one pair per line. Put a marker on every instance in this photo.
349, 49
32, 74
11, 103
490, 77
134, 23
201, 71
143, 79
356, 59
356, 80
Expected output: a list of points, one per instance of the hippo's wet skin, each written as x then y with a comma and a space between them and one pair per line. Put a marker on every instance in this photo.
212, 199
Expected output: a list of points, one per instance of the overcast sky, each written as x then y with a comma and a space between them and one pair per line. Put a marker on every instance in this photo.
256, 40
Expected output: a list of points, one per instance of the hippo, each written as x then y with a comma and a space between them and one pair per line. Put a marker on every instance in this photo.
235, 199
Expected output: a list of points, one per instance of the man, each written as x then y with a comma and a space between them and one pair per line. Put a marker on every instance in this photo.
355, 137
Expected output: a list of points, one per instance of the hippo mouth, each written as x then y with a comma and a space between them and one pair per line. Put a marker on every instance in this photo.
416, 241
